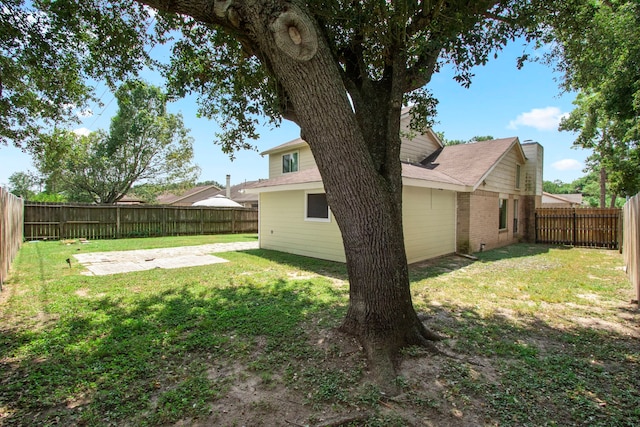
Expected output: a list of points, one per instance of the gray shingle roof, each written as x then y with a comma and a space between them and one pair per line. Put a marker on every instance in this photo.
469, 163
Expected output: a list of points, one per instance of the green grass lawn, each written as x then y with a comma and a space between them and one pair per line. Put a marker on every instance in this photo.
537, 336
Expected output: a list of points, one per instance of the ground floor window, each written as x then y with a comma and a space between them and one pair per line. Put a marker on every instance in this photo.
503, 214
515, 216
316, 207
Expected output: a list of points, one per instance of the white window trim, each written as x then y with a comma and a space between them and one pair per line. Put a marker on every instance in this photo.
306, 215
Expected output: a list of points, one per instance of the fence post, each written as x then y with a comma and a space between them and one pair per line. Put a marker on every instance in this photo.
164, 221
233, 220
117, 222
11, 230
575, 227
619, 237
63, 219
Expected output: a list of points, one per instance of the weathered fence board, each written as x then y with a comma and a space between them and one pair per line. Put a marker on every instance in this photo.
631, 241
11, 209
73, 221
579, 227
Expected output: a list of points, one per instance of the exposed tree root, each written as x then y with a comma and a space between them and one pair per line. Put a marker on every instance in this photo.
382, 351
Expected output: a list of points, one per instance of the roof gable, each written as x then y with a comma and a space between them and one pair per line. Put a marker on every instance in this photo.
239, 193
296, 143
472, 163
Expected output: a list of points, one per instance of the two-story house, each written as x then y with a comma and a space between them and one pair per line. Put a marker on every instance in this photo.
461, 198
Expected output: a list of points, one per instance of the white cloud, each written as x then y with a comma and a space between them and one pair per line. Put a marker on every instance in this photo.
547, 118
567, 165
82, 131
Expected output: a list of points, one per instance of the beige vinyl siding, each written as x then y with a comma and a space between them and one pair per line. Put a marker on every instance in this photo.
305, 160
283, 228
503, 176
429, 219
419, 147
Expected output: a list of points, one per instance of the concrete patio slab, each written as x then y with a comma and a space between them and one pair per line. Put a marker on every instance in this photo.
104, 263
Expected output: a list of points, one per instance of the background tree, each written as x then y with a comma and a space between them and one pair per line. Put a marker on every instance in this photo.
557, 187
597, 47
342, 71
614, 158
145, 144
446, 141
23, 184
587, 185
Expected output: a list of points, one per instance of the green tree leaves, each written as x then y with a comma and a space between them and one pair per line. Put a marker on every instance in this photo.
145, 144
51, 54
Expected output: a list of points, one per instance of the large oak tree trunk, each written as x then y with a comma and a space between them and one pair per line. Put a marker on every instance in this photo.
365, 196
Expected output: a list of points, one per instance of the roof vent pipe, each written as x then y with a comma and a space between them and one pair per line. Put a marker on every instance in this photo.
228, 188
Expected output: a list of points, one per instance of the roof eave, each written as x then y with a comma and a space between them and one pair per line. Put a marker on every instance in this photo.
312, 185
423, 183
284, 147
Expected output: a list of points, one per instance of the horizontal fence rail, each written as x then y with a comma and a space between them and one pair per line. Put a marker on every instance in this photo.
75, 221
591, 227
11, 209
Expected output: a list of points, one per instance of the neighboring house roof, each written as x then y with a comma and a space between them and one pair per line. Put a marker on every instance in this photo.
239, 193
218, 201
472, 163
570, 199
130, 199
455, 167
170, 198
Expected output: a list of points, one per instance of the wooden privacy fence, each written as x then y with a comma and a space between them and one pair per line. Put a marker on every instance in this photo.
74, 221
11, 209
593, 227
631, 241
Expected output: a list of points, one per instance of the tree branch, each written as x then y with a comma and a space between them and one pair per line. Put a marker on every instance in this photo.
419, 74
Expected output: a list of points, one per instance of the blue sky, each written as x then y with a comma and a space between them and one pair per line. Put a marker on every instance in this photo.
502, 101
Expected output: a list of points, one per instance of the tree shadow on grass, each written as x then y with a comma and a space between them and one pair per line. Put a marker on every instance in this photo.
529, 371
336, 270
146, 360
446, 264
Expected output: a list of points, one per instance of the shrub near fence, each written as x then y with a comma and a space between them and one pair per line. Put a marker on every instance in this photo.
11, 209
631, 241
74, 221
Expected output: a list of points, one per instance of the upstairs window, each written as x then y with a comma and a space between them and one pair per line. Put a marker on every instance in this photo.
290, 162
517, 176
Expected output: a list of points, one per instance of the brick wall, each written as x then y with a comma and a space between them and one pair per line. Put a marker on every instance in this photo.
478, 221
